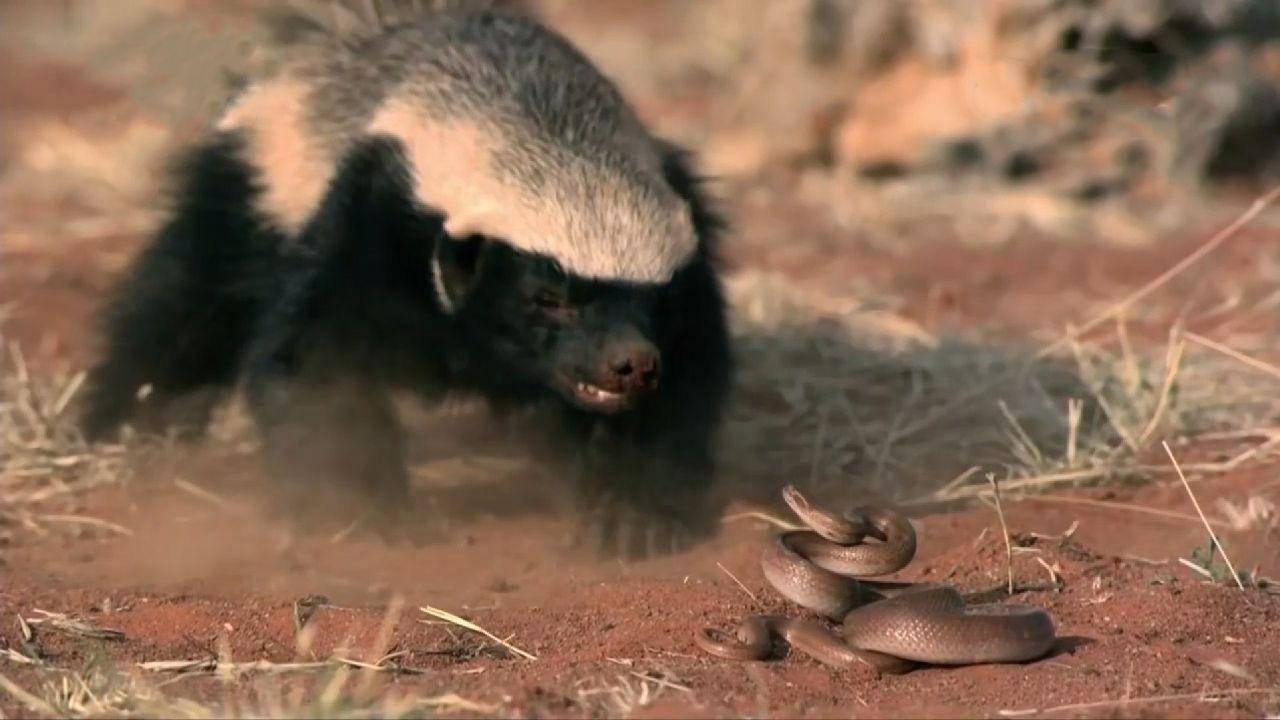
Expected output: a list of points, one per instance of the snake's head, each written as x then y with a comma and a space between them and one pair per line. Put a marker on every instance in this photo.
839, 529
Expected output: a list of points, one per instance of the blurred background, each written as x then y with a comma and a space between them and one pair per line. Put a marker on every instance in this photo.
1105, 119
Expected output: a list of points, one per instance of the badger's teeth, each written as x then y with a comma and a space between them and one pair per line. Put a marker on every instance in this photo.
597, 393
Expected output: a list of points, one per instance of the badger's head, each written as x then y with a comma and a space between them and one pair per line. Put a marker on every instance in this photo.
557, 253
593, 342
568, 289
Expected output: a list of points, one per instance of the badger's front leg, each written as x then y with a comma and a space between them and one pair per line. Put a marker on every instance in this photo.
644, 476
332, 445
644, 493
334, 451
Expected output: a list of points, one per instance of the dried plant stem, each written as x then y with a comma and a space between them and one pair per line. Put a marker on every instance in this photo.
733, 577
1177, 343
976, 490
1234, 354
463, 623
209, 496
31, 702
86, 520
773, 520
1205, 696
1113, 505
1004, 529
1214, 536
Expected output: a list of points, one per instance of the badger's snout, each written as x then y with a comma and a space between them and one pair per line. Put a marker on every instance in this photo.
621, 368
631, 367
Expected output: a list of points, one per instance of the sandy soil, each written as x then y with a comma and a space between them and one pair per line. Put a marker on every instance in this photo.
186, 577
1134, 623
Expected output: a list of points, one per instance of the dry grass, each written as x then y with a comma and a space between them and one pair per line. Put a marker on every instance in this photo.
1206, 697
45, 465
340, 686
861, 402
101, 690
446, 616
833, 390
1213, 536
624, 694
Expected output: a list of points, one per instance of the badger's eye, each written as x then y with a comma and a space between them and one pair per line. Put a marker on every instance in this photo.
549, 300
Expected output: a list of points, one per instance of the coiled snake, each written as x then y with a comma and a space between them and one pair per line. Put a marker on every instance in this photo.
888, 626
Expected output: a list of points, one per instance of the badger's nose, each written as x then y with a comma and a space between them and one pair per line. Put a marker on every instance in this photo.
634, 367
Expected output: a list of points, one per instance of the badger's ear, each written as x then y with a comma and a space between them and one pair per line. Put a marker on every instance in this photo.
677, 169
455, 267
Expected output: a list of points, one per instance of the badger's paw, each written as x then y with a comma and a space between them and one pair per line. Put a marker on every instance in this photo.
626, 529
355, 518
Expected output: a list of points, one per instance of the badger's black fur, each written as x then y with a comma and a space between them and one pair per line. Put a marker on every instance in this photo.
370, 295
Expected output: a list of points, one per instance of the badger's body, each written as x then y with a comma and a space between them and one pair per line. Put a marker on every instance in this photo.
458, 203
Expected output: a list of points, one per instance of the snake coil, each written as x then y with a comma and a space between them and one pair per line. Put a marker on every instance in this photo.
888, 626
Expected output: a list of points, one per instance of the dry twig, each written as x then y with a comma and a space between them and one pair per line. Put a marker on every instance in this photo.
733, 577
467, 624
1252, 362
1206, 696
72, 626
1212, 535
1004, 529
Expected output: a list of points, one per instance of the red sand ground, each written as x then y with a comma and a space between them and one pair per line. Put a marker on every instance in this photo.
1135, 624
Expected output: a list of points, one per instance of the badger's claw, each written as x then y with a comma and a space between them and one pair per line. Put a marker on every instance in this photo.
392, 519
626, 530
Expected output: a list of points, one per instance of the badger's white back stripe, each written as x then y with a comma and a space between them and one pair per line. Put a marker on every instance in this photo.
447, 164
295, 171
595, 223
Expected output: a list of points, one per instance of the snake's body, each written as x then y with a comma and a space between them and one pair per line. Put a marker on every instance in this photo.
889, 626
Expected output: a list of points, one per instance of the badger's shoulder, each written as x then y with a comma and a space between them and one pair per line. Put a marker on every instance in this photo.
506, 129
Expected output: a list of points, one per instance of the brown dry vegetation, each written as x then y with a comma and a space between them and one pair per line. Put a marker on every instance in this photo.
898, 341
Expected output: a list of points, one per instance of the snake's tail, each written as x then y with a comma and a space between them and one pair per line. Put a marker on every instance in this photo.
752, 641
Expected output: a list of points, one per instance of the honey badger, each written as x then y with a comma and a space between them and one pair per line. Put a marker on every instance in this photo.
459, 202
